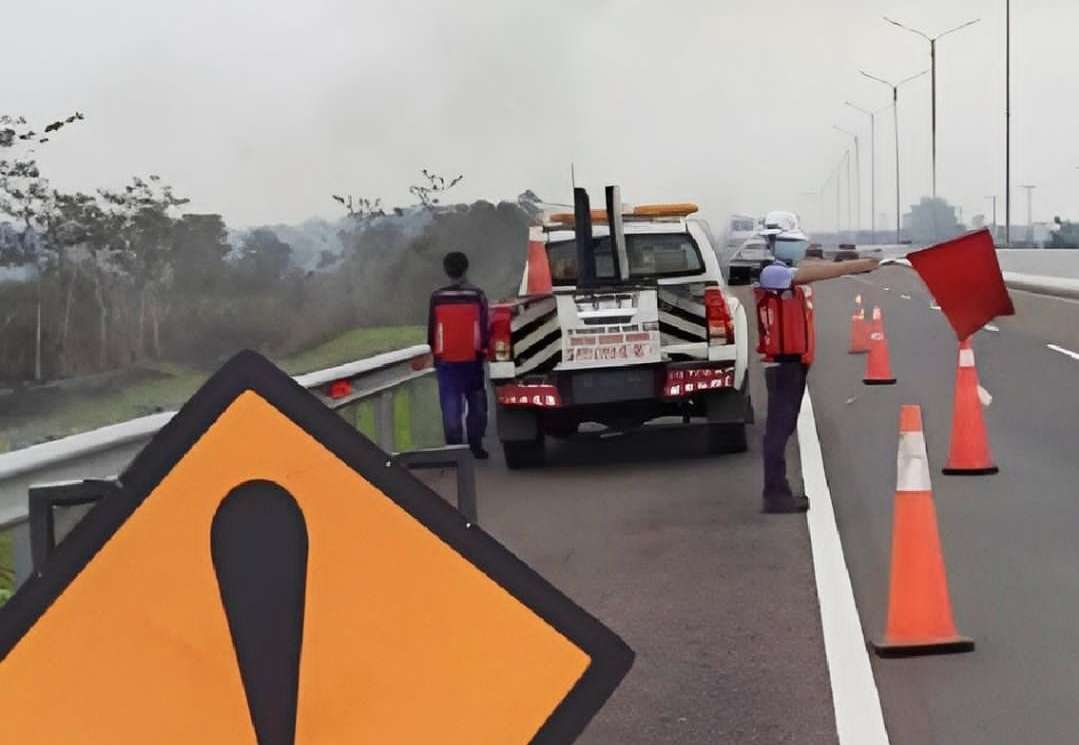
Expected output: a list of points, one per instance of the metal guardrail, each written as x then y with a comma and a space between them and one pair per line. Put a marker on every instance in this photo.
104, 452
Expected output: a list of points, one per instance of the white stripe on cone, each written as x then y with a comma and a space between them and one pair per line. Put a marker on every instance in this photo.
913, 463
966, 358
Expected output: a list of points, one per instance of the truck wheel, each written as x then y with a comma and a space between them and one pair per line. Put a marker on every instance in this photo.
524, 453
727, 438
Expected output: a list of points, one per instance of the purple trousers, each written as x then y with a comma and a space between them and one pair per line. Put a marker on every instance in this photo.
463, 396
786, 386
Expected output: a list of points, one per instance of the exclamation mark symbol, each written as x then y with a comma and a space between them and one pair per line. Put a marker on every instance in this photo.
258, 541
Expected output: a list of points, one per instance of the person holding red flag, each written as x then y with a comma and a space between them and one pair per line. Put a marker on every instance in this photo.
787, 344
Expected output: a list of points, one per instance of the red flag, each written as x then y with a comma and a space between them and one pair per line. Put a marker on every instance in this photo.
964, 277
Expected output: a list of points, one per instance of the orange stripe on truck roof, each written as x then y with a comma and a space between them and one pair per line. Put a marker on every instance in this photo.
662, 209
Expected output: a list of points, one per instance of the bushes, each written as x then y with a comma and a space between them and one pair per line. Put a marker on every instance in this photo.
202, 301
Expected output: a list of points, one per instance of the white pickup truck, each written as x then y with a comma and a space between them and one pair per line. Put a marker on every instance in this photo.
653, 333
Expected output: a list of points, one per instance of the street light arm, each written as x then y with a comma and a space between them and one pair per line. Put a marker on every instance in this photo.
867, 112
958, 28
908, 28
912, 77
879, 80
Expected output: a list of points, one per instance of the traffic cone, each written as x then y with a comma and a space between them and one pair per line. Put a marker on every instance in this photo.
859, 331
538, 268
969, 452
878, 368
919, 608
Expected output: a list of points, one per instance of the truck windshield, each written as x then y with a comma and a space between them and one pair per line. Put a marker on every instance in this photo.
651, 256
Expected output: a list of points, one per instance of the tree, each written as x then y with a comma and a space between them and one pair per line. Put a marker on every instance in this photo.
24, 196
428, 193
360, 208
1065, 236
198, 254
264, 259
142, 216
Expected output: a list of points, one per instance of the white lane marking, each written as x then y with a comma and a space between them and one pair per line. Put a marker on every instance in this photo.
858, 716
934, 306
1062, 350
905, 297
991, 327
887, 289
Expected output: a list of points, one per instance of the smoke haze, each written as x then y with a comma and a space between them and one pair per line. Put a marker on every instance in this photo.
259, 110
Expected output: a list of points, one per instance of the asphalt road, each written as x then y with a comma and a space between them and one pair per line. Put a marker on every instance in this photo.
667, 546
1009, 539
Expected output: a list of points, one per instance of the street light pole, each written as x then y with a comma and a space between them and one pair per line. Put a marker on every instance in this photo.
872, 165
1030, 201
933, 67
994, 198
895, 110
857, 180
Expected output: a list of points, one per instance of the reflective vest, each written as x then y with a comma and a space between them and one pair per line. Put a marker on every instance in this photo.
457, 323
785, 324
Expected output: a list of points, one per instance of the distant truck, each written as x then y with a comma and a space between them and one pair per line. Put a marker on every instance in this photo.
748, 259
740, 228
648, 330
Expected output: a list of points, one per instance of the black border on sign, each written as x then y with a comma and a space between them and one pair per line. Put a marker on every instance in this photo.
611, 658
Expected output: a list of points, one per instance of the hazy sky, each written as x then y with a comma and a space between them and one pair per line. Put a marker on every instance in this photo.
260, 110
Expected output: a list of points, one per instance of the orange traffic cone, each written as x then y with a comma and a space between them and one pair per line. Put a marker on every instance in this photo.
919, 607
878, 367
969, 453
859, 331
538, 268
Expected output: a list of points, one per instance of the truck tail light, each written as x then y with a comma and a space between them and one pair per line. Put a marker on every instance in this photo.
718, 315
543, 395
501, 333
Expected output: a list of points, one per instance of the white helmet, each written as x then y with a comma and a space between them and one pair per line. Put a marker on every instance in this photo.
783, 225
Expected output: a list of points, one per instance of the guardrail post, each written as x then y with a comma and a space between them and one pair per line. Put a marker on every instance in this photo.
466, 487
385, 420
20, 550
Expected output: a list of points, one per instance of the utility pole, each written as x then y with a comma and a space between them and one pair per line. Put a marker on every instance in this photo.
933, 67
895, 110
1030, 201
994, 198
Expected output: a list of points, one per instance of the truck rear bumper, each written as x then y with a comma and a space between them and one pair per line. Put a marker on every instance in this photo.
667, 383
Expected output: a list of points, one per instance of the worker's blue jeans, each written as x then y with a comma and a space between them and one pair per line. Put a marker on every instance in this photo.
786, 386
463, 396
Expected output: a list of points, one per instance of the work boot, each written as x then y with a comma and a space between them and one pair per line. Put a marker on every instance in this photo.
785, 505
478, 452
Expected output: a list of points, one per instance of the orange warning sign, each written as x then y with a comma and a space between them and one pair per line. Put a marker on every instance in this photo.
267, 576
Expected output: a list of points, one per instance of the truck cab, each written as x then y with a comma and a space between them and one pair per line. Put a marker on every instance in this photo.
654, 334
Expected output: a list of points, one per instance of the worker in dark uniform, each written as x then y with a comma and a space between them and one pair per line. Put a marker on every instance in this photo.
458, 333
786, 337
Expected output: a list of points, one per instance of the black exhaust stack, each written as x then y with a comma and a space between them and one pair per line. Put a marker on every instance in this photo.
582, 225
617, 233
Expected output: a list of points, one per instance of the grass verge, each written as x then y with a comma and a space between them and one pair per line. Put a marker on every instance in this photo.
161, 387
